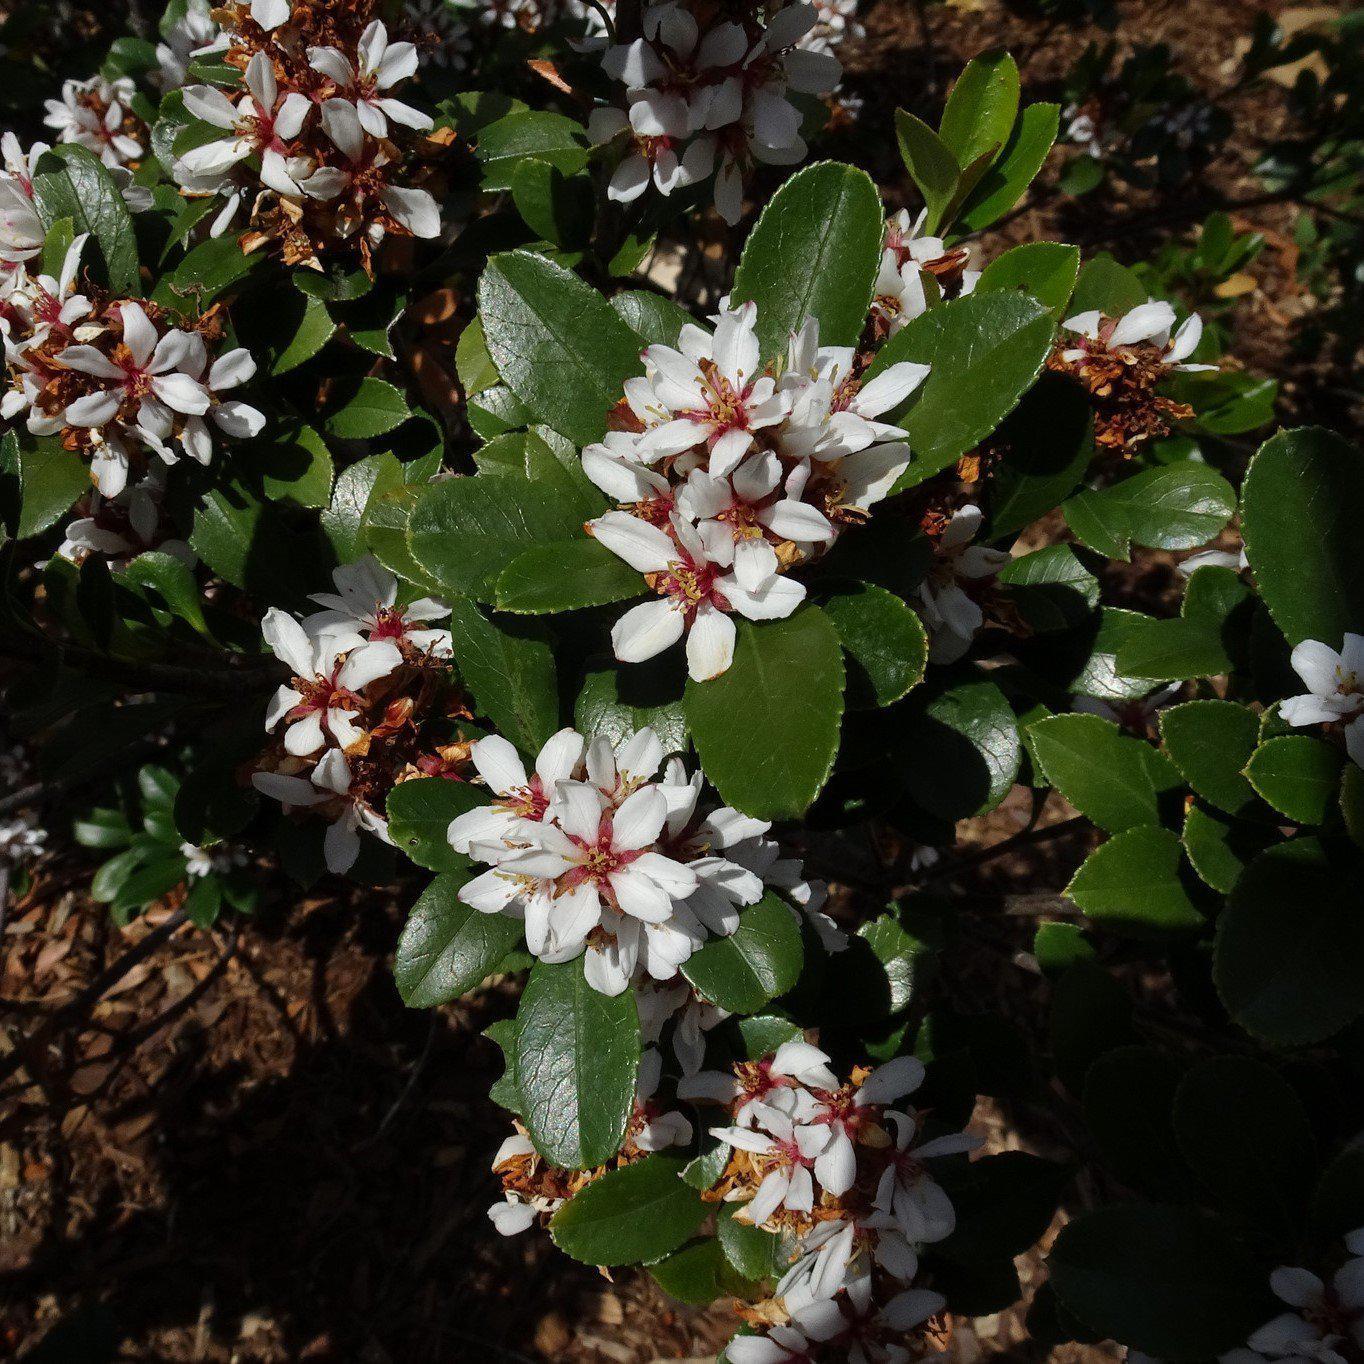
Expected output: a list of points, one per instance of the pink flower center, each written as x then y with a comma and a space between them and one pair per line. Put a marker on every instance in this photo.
597, 861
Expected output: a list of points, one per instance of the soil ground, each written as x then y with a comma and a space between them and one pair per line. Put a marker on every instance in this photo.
252, 1152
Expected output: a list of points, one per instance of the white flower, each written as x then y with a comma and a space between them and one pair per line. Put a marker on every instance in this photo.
194, 33
231, 416
444, 29
1334, 681
781, 1345
698, 584
260, 123
1148, 323
691, 1015
380, 66
91, 113
655, 1130
323, 704
21, 230
489, 832
146, 389
951, 615
1328, 1324
788, 1149
872, 1331
365, 603
907, 1194
270, 14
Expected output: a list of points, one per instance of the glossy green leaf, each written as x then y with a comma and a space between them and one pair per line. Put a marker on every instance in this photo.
980, 111
1005, 183
885, 642
755, 964
446, 948
1219, 846
1136, 884
566, 576
618, 702
372, 408
1299, 516
653, 318
1045, 270
633, 1215
577, 1055
70, 182
508, 666
985, 350
556, 342
1119, 782
814, 253
419, 814
51, 478
1052, 589
1298, 775
1180, 506
1210, 743
767, 729
931, 165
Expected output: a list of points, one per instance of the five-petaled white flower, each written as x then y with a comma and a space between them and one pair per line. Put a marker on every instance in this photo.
380, 65
951, 614
1151, 323
365, 603
1335, 689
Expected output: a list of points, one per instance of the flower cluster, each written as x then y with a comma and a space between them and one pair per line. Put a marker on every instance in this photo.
916, 271
120, 528
534, 1190
193, 33
835, 21
1326, 1322
598, 854
1121, 362
119, 381
839, 1172
371, 703
730, 473
314, 149
710, 98
1335, 690
97, 114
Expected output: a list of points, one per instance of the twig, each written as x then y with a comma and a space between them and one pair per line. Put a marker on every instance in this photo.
1027, 838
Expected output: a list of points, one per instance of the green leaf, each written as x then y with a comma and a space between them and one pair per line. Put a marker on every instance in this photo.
980, 111
51, 478
372, 408
577, 1054
758, 962
1110, 288
959, 754
1052, 589
1135, 884
1046, 445
1247, 1136
250, 544
814, 253
1059, 946
657, 320
930, 163
308, 329
547, 137
1299, 507
465, 531
698, 1273
619, 702
293, 462
1168, 1281
753, 1252
633, 1215
1117, 781
508, 666
209, 269
556, 206
1045, 270
903, 960
333, 285
69, 182
1289, 956
446, 948
173, 581
885, 642
566, 576
1004, 184
1210, 743
767, 729
985, 350
1298, 775
557, 343
1219, 847
419, 813
1129, 1099
1180, 506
